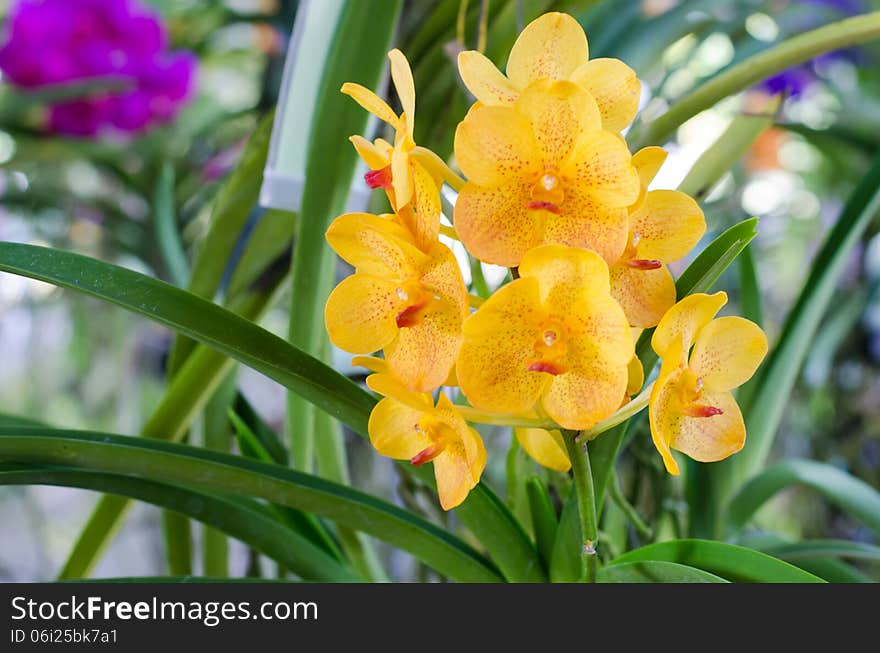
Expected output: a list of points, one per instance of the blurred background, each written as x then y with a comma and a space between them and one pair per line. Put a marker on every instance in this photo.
174, 88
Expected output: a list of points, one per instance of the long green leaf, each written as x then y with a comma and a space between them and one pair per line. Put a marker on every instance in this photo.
544, 521
167, 233
213, 471
243, 519
656, 571
733, 563
795, 551
847, 492
791, 52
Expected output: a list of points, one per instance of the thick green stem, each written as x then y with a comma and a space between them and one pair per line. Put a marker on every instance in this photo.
790, 52
629, 511
586, 501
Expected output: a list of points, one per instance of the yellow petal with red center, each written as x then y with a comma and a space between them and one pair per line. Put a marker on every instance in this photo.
459, 467
551, 46
370, 153
669, 225
616, 88
392, 429
560, 112
498, 347
601, 164
484, 80
705, 439
496, 225
635, 376
402, 76
546, 447
727, 352
427, 206
494, 145
682, 322
585, 222
599, 322
371, 102
442, 277
361, 313
401, 179
565, 275
422, 354
375, 245
588, 393
644, 295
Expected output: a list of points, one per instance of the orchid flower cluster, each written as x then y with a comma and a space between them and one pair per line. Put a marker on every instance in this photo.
554, 194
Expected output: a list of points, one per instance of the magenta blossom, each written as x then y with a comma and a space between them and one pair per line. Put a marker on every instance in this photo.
57, 41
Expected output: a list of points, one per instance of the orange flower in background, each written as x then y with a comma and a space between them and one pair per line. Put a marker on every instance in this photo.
413, 191
407, 425
691, 408
555, 47
400, 299
553, 341
542, 171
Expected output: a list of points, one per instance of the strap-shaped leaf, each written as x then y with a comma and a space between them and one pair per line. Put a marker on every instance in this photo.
213, 471
656, 571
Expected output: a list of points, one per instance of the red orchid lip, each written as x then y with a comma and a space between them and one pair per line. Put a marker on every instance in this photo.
702, 411
544, 206
644, 264
545, 366
379, 178
409, 316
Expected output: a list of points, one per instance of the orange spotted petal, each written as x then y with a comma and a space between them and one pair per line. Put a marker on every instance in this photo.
682, 322
393, 432
551, 46
360, 314
583, 221
375, 245
669, 224
565, 275
601, 164
616, 88
484, 80
427, 206
498, 346
494, 145
644, 295
546, 447
727, 352
560, 112
459, 467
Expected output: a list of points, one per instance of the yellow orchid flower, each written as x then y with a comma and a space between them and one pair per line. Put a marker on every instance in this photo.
542, 171
406, 425
553, 340
413, 191
555, 47
400, 299
691, 407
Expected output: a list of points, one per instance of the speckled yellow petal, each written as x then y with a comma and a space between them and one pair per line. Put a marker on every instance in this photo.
371, 102
494, 145
375, 245
727, 352
601, 164
644, 295
560, 112
495, 223
422, 355
392, 430
599, 322
635, 376
705, 439
426, 202
401, 75
497, 348
587, 394
669, 225
682, 322
546, 447
552, 45
565, 275
458, 469
442, 276
585, 222
616, 88
372, 155
360, 313
484, 80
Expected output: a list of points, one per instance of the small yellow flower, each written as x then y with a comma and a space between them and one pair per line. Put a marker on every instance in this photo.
542, 171
546, 447
409, 426
691, 408
554, 341
554, 47
413, 191
403, 300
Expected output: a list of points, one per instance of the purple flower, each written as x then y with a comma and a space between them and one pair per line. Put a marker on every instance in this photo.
57, 41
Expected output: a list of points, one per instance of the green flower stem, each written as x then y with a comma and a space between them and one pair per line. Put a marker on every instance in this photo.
586, 501
629, 511
790, 52
480, 417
